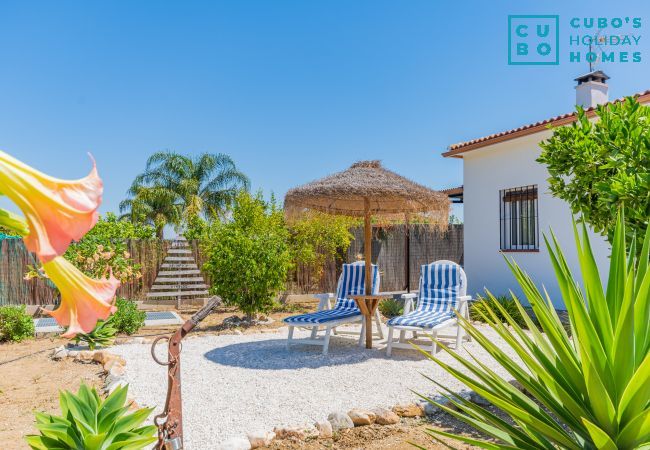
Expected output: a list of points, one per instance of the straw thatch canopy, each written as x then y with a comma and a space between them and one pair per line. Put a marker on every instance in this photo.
390, 195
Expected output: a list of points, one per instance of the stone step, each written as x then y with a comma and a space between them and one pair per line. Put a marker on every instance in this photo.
175, 294
179, 258
182, 251
179, 272
183, 287
178, 279
179, 266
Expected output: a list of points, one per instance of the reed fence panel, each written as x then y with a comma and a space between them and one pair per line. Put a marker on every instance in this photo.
389, 252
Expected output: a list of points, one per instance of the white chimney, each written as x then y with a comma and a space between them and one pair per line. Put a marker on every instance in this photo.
592, 89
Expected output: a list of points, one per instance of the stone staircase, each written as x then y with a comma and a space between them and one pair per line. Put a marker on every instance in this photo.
179, 279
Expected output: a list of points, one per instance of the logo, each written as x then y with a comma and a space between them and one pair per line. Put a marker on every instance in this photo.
534, 40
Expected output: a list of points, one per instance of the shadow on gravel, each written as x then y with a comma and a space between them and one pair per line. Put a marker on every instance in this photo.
272, 354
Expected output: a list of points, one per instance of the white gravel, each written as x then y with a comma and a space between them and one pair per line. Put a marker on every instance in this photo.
234, 384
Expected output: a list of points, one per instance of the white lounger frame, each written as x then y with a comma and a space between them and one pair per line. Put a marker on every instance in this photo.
325, 302
431, 333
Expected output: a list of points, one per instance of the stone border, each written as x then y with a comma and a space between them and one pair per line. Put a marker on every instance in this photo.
113, 366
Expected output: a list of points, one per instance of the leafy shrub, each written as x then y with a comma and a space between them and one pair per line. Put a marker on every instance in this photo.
103, 335
15, 324
248, 257
128, 318
104, 248
391, 308
316, 238
89, 422
598, 167
480, 307
593, 387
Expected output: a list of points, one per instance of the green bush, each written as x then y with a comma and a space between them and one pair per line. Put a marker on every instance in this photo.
599, 167
479, 308
15, 324
89, 422
391, 308
128, 318
248, 257
103, 335
588, 391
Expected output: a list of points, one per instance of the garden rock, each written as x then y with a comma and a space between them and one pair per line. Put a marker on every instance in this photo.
261, 438
385, 416
325, 430
102, 357
117, 370
236, 443
429, 408
340, 421
59, 353
85, 356
289, 433
408, 410
360, 417
479, 400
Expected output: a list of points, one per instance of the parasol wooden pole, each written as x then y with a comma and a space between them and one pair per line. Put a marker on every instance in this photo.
367, 247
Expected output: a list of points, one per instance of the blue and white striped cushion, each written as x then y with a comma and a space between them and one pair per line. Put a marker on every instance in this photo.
327, 315
440, 287
351, 282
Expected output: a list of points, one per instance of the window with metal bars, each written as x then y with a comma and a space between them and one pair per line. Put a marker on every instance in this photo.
519, 224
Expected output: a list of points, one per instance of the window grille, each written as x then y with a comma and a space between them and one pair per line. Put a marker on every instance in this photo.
519, 224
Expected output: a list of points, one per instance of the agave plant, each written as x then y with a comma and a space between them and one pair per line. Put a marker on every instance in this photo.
588, 391
88, 422
103, 335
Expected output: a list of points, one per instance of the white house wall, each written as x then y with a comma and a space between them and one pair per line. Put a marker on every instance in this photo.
506, 165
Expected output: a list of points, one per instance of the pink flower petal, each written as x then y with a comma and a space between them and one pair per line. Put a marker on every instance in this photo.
57, 211
83, 300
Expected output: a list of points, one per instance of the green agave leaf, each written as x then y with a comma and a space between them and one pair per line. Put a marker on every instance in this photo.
601, 440
44, 443
636, 432
622, 356
642, 312
594, 287
514, 435
133, 442
132, 420
94, 441
635, 397
519, 406
59, 432
114, 401
601, 403
467, 440
617, 271
561, 405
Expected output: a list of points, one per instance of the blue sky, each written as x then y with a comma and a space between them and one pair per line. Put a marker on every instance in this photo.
292, 90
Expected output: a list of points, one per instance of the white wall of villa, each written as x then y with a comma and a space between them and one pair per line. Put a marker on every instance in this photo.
505, 165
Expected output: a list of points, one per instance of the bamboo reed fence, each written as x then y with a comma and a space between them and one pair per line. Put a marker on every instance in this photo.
427, 244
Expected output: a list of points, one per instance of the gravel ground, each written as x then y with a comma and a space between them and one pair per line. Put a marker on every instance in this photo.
233, 384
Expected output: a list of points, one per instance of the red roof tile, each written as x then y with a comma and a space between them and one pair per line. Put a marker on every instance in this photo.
456, 150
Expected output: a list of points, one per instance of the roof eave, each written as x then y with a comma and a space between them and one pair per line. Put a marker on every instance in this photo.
526, 130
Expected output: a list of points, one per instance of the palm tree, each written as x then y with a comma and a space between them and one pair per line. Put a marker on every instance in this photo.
205, 185
151, 205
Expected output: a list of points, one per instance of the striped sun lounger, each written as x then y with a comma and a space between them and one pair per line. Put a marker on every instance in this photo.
351, 282
442, 290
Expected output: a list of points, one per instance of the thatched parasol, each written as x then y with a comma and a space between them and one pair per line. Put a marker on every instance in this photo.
368, 190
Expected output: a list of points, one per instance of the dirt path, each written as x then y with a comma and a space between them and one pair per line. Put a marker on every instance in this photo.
30, 381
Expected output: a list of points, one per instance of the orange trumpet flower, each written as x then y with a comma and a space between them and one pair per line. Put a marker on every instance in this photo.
57, 211
83, 299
